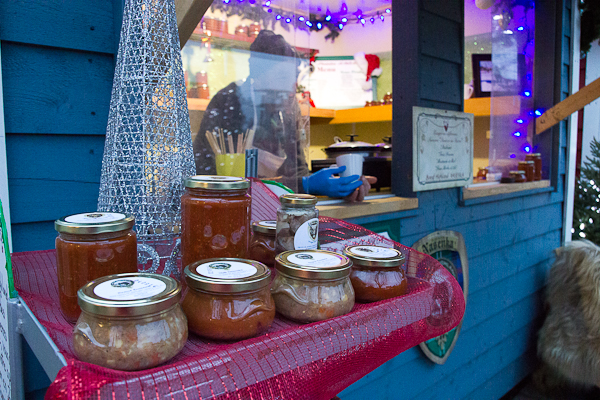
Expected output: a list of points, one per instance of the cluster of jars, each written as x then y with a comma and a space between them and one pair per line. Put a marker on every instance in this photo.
236, 276
387, 100
529, 170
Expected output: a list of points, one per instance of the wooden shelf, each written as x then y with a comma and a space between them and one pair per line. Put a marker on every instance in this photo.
197, 104
481, 106
368, 207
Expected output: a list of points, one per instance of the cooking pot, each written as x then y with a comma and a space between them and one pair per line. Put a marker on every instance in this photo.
365, 149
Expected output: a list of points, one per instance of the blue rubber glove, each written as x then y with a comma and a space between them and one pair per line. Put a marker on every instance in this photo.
322, 182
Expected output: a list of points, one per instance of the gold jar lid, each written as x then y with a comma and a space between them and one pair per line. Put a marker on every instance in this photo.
526, 162
266, 227
215, 182
227, 275
298, 200
126, 295
535, 154
517, 172
313, 264
94, 222
374, 256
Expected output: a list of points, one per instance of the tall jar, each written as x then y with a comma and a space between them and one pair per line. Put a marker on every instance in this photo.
228, 298
312, 285
88, 246
262, 243
377, 272
297, 223
130, 321
528, 167
215, 218
537, 165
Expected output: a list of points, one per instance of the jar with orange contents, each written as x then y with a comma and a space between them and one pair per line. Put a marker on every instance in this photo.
89, 246
215, 218
262, 244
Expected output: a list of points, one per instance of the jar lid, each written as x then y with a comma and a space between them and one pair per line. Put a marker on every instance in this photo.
298, 200
313, 264
526, 162
132, 294
227, 275
266, 227
94, 222
214, 182
374, 256
516, 172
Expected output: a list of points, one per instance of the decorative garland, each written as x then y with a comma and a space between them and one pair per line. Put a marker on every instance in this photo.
269, 15
590, 23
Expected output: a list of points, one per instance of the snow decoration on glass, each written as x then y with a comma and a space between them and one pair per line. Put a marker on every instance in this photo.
148, 148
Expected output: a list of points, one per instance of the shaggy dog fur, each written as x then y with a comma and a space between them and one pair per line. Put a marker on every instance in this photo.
569, 341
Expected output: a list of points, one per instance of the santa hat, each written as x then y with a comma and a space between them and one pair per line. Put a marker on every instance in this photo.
369, 64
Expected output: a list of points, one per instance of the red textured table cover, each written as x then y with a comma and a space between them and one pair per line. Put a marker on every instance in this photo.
290, 361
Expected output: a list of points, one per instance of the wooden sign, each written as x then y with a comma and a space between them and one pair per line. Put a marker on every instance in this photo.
442, 149
448, 247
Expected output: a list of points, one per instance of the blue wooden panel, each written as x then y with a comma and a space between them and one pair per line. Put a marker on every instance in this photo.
564, 77
441, 105
440, 80
84, 25
444, 41
566, 22
33, 236
55, 91
451, 10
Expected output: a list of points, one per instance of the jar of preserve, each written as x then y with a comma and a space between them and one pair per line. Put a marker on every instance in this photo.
262, 244
203, 92
312, 285
130, 321
528, 167
537, 165
377, 273
201, 78
254, 29
518, 176
241, 30
297, 223
215, 218
88, 246
228, 298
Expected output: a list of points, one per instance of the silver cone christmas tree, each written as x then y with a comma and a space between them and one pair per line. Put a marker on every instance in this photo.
148, 148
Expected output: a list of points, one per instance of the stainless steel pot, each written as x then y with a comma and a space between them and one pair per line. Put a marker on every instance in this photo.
353, 146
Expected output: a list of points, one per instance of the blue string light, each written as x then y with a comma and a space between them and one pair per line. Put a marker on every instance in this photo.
517, 134
520, 121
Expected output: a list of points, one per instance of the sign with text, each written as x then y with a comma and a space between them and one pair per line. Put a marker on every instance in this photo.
442, 149
6, 291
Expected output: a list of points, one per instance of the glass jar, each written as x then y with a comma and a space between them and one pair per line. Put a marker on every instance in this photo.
518, 176
312, 285
262, 244
88, 246
377, 273
228, 298
215, 218
297, 223
528, 167
537, 165
130, 321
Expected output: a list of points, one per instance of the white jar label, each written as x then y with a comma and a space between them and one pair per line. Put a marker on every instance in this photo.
314, 259
215, 178
95, 218
307, 236
268, 224
226, 270
130, 288
374, 251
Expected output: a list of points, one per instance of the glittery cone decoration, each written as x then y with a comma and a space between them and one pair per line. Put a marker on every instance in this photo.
148, 149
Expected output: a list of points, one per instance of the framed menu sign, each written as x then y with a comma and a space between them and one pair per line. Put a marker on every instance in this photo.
442, 149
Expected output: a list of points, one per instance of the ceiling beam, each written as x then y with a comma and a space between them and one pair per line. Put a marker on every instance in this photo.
189, 14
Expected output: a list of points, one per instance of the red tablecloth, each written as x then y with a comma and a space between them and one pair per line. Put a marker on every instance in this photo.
290, 361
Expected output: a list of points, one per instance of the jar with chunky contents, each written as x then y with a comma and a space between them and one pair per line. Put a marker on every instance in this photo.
228, 298
312, 285
262, 244
215, 218
89, 246
130, 321
377, 272
297, 223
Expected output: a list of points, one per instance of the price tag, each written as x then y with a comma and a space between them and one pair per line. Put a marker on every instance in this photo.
6, 291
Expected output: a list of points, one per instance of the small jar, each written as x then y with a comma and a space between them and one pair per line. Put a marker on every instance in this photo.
228, 298
528, 167
215, 218
518, 176
201, 78
297, 223
537, 165
262, 244
241, 30
377, 273
254, 29
130, 321
312, 285
203, 92
89, 246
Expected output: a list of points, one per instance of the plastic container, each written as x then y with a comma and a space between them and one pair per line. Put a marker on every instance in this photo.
228, 299
262, 243
88, 246
297, 223
312, 285
130, 321
215, 218
377, 272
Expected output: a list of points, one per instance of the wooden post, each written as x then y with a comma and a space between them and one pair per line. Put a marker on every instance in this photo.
189, 14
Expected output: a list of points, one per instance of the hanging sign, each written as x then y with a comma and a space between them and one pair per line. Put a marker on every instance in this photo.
442, 149
6, 291
448, 247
